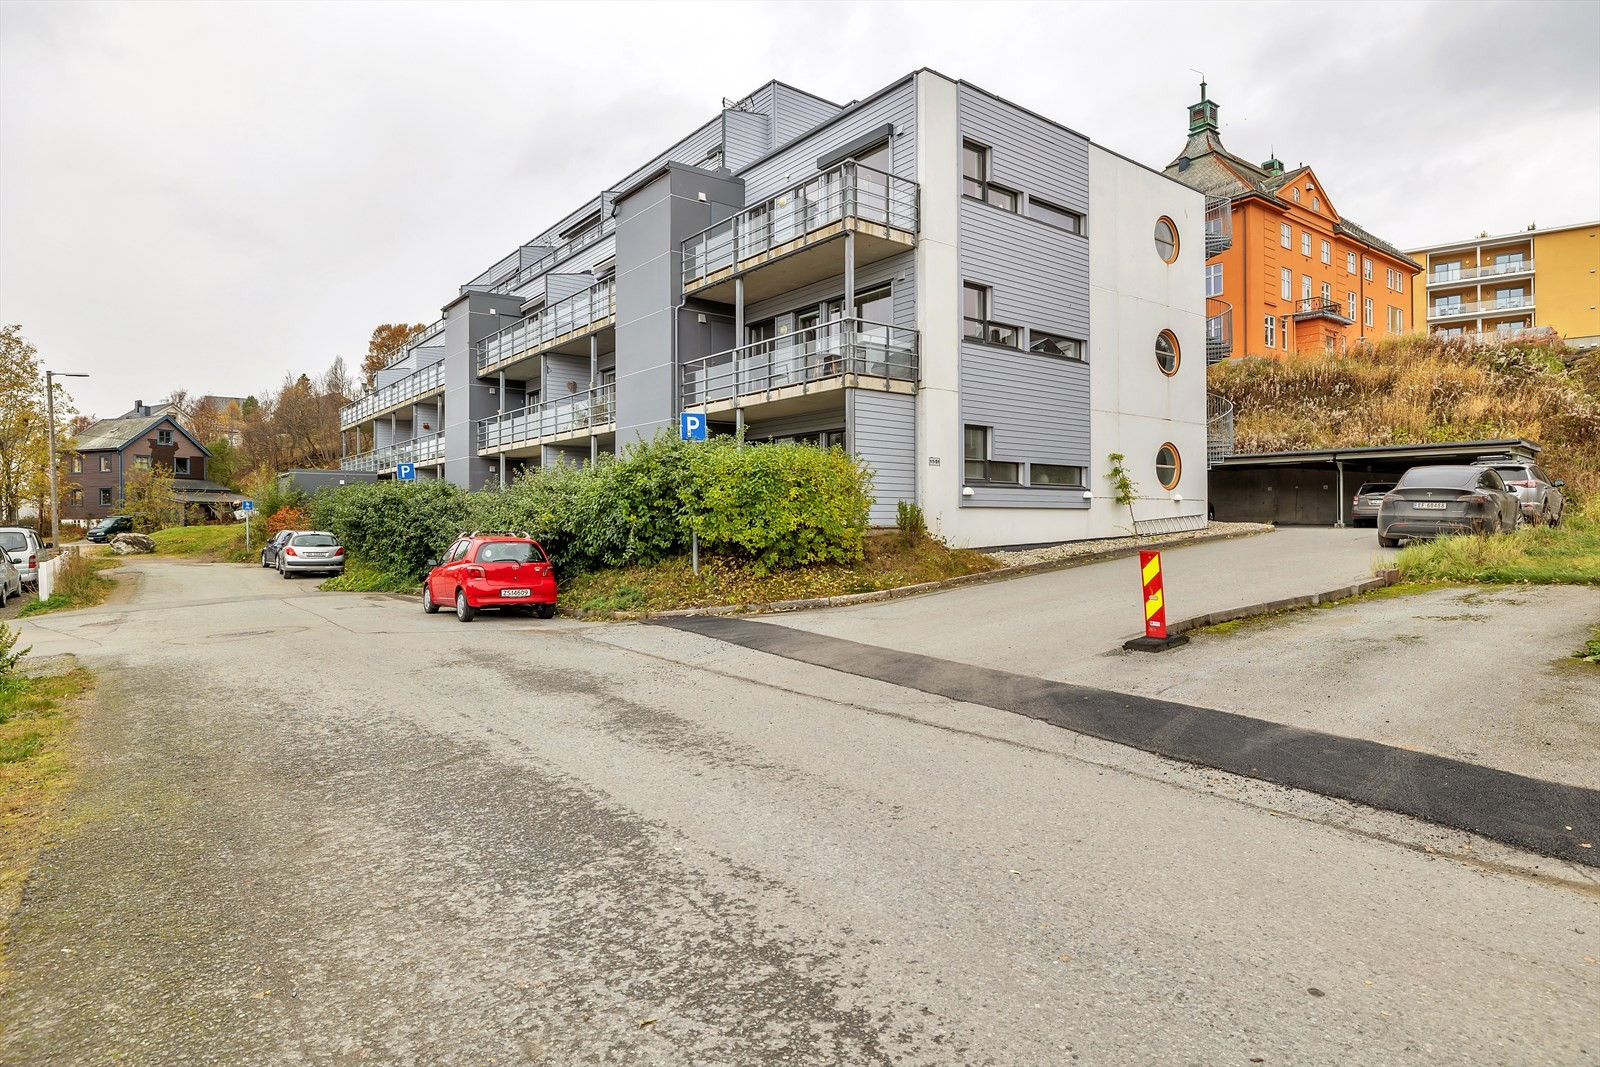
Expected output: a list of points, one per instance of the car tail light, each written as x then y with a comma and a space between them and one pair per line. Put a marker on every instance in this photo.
1474, 498
338, 552
289, 551
1522, 485
33, 561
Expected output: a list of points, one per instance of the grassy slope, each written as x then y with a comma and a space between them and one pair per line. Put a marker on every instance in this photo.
224, 543
81, 586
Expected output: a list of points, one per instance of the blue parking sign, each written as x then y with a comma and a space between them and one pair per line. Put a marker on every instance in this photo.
692, 426
405, 472
247, 505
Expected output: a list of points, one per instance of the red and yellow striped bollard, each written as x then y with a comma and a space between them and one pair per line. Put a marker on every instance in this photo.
1155, 605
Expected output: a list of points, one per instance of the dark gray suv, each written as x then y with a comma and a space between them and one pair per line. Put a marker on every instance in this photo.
1539, 497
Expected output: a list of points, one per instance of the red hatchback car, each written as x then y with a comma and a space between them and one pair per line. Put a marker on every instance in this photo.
491, 571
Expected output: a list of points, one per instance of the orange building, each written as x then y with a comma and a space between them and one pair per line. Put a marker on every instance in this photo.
1296, 276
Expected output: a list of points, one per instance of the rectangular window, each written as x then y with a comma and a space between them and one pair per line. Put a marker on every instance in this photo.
1283, 333
1286, 283
1350, 295
1059, 217
975, 181
1285, 235
1327, 293
180, 465
1213, 279
105, 464
1366, 311
77, 498
978, 467
1305, 243
1366, 268
77, 463
1056, 475
163, 437
1397, 320
1327, 253
1508, 298
105, 496
141, 463
1051, 344
1350, 262
1305, 287
975, 303
1399, 281
1271, 324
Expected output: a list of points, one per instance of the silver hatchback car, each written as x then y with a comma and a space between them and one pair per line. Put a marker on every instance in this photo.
1539, 497
311, 552
22, 545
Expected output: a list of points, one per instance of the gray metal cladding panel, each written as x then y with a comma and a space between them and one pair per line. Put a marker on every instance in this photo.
790, 426
798, 161
745, 136
797, 112
1038, 406
869, 277
560, 286
884, 434
1027, 153
559, 370
691, 150
1039, 274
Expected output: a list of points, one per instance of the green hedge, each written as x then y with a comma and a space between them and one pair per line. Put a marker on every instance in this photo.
778, 505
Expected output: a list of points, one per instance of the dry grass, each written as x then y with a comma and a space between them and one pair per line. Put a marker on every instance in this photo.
1412, 390
79, 585
891, 560
1569, 553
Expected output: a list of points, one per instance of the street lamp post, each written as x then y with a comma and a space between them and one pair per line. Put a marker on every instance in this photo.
50, 410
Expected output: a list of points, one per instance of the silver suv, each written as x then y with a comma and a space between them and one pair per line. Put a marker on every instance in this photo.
22, 545
1540, 498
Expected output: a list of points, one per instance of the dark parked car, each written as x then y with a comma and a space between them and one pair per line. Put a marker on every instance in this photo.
1433, 501
311, 552
274, 547
109, 527
1368, 499
1541, 499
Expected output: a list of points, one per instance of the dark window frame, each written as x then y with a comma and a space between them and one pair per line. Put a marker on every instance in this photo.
1079, 219
983, 182
987, 461
1081, 485
1034, 337
986, 327
105, 496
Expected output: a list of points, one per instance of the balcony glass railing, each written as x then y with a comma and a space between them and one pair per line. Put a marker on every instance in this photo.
832, 350
1475, 308
428, 449
422, 340
559, 254
849, 190
419, 383
594, 305
592, 410
1458, 275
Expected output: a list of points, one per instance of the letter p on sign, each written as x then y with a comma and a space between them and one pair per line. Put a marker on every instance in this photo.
1155, 606
692, 426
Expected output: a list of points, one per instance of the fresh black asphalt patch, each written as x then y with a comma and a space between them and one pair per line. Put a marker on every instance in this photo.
1525, 812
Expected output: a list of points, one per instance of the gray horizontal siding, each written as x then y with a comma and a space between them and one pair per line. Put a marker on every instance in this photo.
868, 277
1039, 274
795, 113
793, 425
798, 161
745, 136
1037, 405
559, 370
1027, 153
558, 287
883, 432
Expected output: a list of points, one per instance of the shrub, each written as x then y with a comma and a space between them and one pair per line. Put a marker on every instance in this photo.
10, 655
287, 517
910, 521
393, 526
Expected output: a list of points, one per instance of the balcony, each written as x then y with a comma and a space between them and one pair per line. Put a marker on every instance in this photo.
838, 354
582, 414
1472, 309
1219, 225
1219, 330
1318, 307
1474, 275
556, 256
796, 237
421, 450
412, 387
562, 323
422, 340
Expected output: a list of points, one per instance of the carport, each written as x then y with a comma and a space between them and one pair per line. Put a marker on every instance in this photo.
1315, 487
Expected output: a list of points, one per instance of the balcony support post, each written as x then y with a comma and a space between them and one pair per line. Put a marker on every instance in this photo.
501, 407
738, 312
849, 273
738, 423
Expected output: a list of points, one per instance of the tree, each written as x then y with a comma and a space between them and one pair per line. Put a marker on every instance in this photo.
386, 340
148, 497
24, 428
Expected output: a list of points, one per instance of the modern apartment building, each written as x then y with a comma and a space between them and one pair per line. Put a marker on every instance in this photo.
979, 301
1298, 276
1533, 279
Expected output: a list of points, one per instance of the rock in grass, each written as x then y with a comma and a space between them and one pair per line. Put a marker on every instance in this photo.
132, 544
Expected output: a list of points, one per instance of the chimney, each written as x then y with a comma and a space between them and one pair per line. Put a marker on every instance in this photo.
139, 408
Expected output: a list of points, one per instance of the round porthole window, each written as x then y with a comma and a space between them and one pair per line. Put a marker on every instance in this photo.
1169, 466
1166, 239
1167, 357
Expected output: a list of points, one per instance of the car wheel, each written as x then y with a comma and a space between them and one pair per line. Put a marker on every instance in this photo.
1520, 521
264, 563
464, 611
283, 572
427, 600
545, 611
1388, 542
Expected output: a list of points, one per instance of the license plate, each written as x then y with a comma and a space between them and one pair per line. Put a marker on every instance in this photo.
1431, 507
516, 592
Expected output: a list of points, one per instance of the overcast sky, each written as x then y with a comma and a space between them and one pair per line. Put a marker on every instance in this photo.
210, 195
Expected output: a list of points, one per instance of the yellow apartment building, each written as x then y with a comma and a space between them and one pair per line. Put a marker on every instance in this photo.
1534, 279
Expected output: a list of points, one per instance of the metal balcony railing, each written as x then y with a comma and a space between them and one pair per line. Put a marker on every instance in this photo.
1475, 308
1219, 330
1320, 305
1460, 275
1219, 429
560, 253
1219, 225
422, 340
793, 218
592, 410
427, 449
837, 349
593, 307
420, 383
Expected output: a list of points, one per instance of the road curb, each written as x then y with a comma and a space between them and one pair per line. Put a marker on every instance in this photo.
999, 574
1269, 607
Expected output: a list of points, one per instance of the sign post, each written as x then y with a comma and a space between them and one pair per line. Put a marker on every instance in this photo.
249, 508
692, 427
1156, 638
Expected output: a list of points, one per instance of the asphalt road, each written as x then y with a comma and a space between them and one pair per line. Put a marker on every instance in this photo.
325, 828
